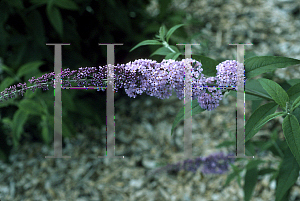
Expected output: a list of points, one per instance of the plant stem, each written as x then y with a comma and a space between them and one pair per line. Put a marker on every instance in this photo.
168, 46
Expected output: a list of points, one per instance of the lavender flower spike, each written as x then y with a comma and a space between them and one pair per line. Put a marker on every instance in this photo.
144, 75
216, 163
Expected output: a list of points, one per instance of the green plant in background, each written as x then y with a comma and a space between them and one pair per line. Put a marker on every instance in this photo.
285, 95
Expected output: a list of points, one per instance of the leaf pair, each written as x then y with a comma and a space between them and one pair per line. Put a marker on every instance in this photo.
163, 36
290, 125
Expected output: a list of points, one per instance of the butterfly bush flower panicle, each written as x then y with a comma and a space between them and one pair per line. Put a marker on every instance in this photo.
144, 75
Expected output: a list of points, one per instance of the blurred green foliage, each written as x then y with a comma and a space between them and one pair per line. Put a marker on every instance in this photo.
25, 28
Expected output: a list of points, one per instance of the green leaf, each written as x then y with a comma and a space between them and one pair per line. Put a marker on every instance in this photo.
255, 105
253, 88
254, 164
28, 67
291, 130
55, 18
171, 31
261, 64
19, 119
266, 171
174, 48
8, 102
250, 180
161, 51
264, 145
157, 36
292, 82
256, 87
259, 114
296, 112
250, 148
30, 94
268, 118
296, 103
288, 175
6, 83
235, 173
45, 129
8, 70
31, 106
162, 32
66, 4
294, 92
196, 109
173, 56
229, 178
7, 121
275, 91
146, 42
208, 65
16, 3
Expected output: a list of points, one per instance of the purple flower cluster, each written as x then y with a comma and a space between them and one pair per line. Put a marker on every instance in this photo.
230, 73
143, 75
216, 163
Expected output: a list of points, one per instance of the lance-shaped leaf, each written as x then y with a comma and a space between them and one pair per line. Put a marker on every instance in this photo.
294, 92
31, 107
28, 67
291, 131
275, 91
250, 179
162, 32
268, 118
19, 119
261, 64
253, 91
258, 115
146, 42
55, 17
161, 51
296, 103
171, 31
288, 174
